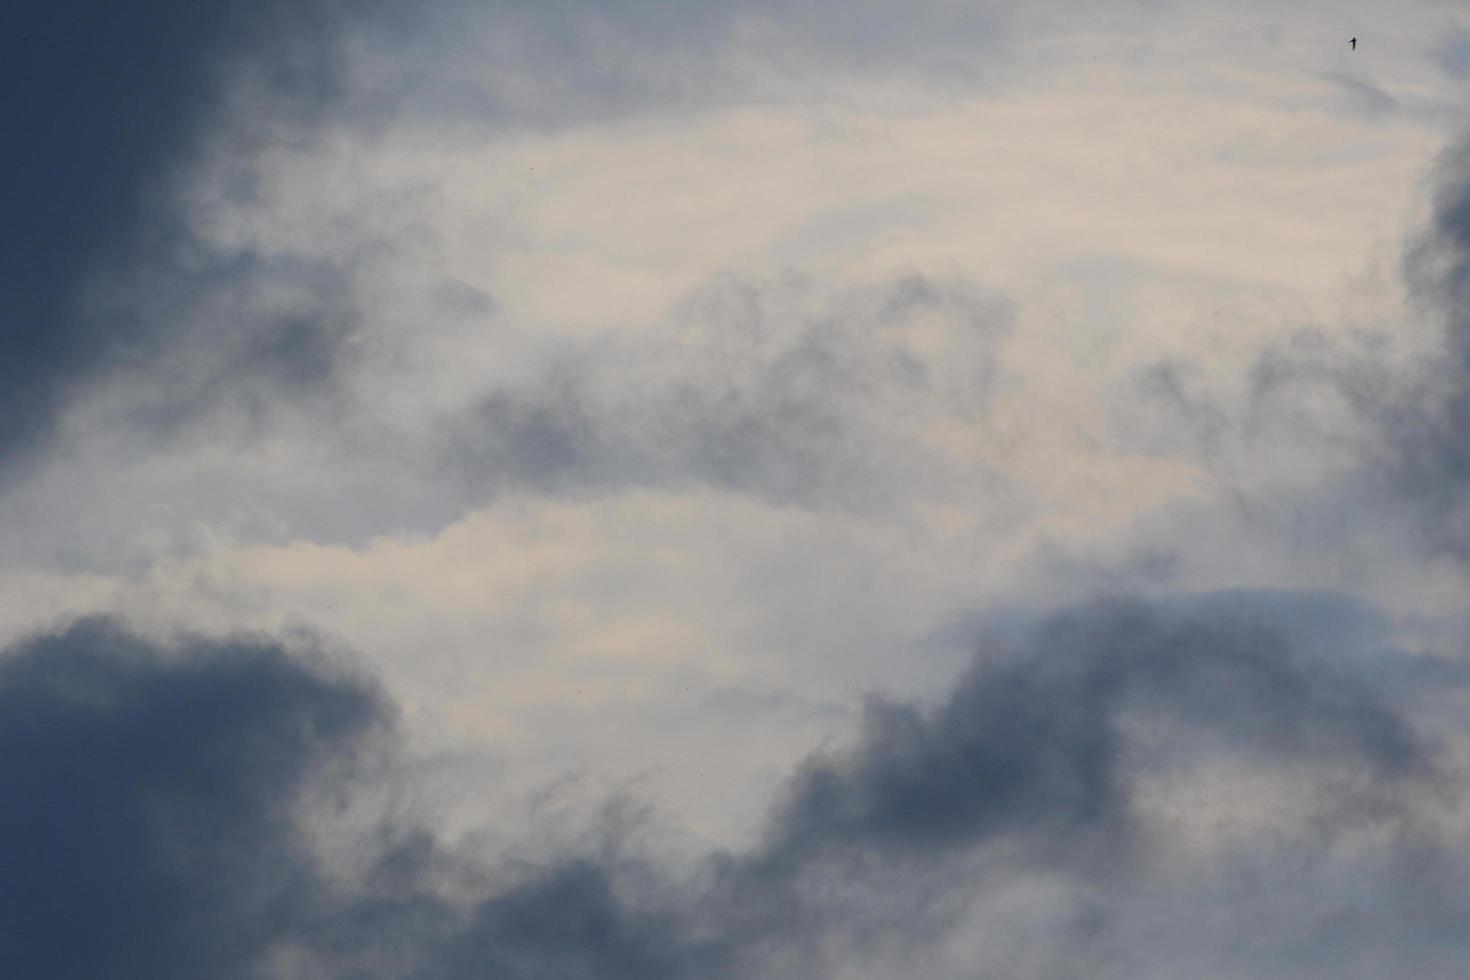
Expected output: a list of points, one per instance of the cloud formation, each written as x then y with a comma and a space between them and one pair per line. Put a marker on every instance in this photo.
1034, 745
1361, 420
167, 805
150, 826
1252, 783
160, 809
106, 267
102, 266
1427, 439
770, 389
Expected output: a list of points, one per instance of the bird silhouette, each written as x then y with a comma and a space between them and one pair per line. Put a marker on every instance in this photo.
1354, 43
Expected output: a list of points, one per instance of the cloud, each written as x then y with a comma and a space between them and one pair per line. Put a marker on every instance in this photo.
103, 267
1329, 424
1053, 765
1249, 784
569, 923
1053, 762
770, 389
150, 827
518, 65
1452, 54
1034, 744
108, 267
1361, 95
1426, 434
171, 811
161, 807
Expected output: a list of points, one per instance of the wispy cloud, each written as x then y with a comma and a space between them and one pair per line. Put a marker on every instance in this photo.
768, 389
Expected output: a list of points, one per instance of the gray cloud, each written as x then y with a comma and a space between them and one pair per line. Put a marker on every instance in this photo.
1365, 421
105, 268
162, 800
144, 333
102, 268
1041, 766
568, 923
1452, 54
788, 391
148, 825
165, 808
1426, 437
771, 389
1032, 743
1037, 768
1362, 96
536, 65
157, 820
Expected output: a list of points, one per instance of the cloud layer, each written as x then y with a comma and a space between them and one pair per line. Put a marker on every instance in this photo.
168, 805
747, 415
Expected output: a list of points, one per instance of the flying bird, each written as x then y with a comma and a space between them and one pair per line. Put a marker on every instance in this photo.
1354, 43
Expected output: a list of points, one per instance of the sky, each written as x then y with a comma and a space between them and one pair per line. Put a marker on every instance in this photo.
708, 491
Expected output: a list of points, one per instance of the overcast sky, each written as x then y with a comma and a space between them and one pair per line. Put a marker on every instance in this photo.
657, 489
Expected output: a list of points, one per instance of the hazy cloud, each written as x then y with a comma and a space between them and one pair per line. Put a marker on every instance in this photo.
1427, 435
1452, 54
1361, 95
105, 266
775, 390
1341, 422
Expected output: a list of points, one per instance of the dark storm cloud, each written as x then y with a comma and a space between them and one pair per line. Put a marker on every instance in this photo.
567, 923
106, 106
148, 828
762, 389
1037, 766
1032, 743
164, 810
